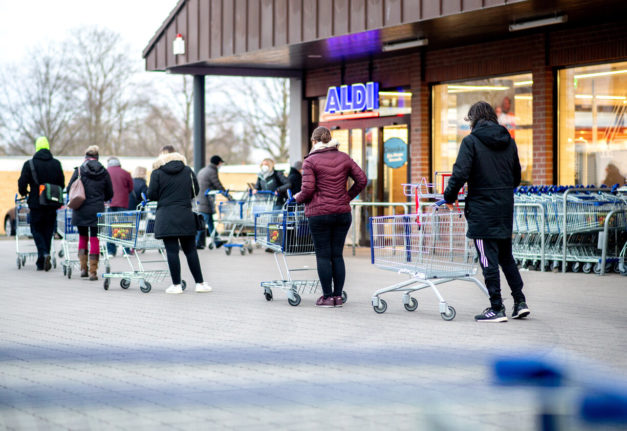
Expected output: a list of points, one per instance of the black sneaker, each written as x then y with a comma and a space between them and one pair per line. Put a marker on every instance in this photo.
489, 315
520, 310
47, 263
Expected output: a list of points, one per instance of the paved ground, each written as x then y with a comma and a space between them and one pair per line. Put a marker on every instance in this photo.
74, 356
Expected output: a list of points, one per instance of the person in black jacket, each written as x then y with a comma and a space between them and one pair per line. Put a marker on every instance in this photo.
173, 185
270, 180
488, 162
139, 187
42, 218
98, 189
295, 177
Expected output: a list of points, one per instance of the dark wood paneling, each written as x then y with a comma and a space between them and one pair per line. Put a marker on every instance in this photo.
411, 10
254, 29
241, 28
392, 12
450, 7
161, 53
170, 35
468, 5
325, 18
204, 20
267, 24
294, 21
374, 14
430, 9
191, 37
341, 16
216, 28
589, 45
280, 22
358, 16
181, 27
228, 27
310, 20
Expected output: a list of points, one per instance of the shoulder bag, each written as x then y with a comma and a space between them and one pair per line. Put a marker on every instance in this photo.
198, 218
76, 194
50, 195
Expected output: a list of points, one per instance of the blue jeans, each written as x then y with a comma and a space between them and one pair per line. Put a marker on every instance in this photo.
209, 222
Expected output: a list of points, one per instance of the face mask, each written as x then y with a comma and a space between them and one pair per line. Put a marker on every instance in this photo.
265, 168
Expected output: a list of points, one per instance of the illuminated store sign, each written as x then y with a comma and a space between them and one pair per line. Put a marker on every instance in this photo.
352, 98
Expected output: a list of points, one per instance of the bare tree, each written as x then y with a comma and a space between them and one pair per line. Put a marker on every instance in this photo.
263, 109
38, 101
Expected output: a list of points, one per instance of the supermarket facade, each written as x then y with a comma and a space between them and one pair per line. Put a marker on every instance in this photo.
393, 79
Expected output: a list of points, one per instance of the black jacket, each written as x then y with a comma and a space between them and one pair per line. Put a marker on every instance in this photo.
208, 179
48, 171
276, 182
135, 197
98, 189
295, 178
488, 162
171, 186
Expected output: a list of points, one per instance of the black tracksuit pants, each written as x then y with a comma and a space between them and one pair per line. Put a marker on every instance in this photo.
495, 252
43, 222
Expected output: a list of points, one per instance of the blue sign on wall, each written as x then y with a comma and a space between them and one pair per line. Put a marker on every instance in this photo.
394, 152
356, 97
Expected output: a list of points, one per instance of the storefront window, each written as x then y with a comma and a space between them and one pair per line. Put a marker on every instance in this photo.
512, 100
592, 136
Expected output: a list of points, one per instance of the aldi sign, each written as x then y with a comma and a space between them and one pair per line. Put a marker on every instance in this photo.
352, 98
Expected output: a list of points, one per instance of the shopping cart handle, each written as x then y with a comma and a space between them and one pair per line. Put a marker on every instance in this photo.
289, 194
440, 202
144, 199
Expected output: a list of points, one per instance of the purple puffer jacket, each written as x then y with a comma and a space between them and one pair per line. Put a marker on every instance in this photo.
325, 173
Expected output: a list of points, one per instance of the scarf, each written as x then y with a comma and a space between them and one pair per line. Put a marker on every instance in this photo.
321, 145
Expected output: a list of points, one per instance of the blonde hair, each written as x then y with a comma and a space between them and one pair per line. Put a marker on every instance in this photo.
269, 161
92, 151
140, 172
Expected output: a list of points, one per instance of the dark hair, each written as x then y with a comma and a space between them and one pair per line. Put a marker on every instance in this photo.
481, 111
321, 134
168, 149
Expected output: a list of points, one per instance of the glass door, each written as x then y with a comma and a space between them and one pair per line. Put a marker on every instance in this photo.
394, 164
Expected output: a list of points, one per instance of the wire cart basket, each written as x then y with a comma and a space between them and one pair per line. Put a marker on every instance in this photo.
133, 231
430, 247
25, 247
286, 233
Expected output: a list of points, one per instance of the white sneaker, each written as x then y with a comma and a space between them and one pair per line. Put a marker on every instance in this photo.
174, 288
203, 287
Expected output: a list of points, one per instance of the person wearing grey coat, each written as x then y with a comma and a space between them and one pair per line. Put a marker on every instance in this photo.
209, 180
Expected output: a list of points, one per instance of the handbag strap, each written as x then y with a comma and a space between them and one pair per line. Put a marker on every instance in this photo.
33, 171
194, 201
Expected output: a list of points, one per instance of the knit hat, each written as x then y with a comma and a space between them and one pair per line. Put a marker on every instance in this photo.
216, 160
42, 143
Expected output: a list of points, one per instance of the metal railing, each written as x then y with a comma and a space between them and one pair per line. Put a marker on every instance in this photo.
405, 205
606, 226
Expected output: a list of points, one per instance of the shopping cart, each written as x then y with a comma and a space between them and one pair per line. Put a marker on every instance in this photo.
238, 218
69, 243
25, 247
430, 247
286, 233
133, 231
214, 237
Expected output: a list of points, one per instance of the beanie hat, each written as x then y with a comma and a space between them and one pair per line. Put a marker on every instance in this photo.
42, 143
216, 159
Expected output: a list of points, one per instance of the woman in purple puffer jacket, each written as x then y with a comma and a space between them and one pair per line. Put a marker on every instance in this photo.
325, 173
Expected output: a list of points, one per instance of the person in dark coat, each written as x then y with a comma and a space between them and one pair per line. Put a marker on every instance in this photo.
209, 180
98, 189
42, 218
488, 162
327, 208
295, 177
173, 185
270, 180
139, 186
122, 187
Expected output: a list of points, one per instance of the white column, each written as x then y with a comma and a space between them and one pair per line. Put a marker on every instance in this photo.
298, 121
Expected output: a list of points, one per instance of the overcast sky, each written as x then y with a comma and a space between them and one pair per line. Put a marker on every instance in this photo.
26, 23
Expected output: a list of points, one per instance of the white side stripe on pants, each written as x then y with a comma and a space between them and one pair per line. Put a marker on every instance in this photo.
484, 259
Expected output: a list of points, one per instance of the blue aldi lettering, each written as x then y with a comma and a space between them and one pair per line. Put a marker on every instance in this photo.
356, 97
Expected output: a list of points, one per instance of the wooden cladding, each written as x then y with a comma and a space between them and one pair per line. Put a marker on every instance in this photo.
224, 28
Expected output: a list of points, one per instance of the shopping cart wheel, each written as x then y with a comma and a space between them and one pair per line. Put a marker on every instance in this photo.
576, 266
60, 254
250, 248
412, 306
210, 246
344, 297
228, 250
242, 251
587, 267
69, 272
183, 284
145, 287
555, 266
125, 283
294, 302
450, 314
382, 306
617, 267
268, 295
23, 260
54, 262
64, 270
107, 282
19, 263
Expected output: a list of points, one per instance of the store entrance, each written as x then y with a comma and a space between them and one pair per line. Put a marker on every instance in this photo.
381, 150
